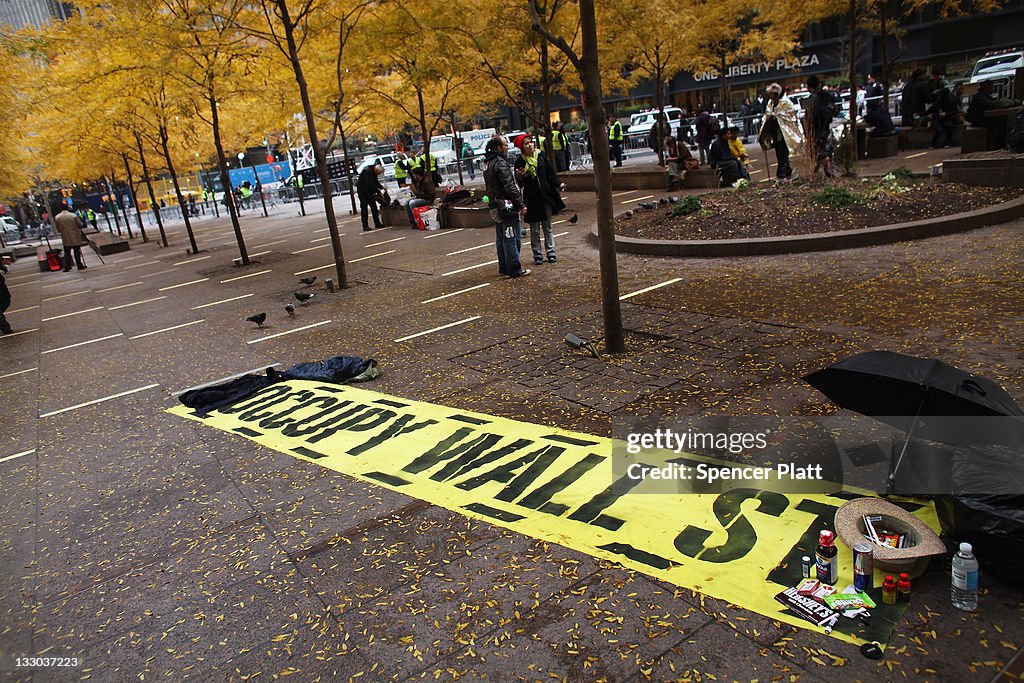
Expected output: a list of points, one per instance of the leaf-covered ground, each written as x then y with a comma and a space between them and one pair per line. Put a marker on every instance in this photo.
770, 210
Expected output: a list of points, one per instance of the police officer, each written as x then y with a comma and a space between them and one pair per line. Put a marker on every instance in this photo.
615, 138
560, 146
402, 168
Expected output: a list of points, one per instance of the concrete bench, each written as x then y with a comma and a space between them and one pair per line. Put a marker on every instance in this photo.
881, 147
704, 177
916, 138
974, 140
109, 243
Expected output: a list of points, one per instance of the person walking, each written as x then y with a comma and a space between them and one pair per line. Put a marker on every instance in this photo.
707, 129
615, 140
70, 228
5, 301
506, 204
541, 195
821, 110
369, 189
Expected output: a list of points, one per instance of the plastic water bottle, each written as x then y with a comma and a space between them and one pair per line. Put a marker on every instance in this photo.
964, 586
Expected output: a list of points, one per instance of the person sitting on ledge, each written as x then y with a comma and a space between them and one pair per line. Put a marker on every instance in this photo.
879, 121
720, 158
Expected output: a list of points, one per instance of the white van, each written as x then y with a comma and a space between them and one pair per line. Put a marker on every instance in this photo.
1000, 68
641, 124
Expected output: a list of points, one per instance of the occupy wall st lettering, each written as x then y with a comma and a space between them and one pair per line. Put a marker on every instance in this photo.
468, 457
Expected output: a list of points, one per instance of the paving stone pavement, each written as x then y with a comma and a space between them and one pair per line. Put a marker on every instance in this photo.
154, 547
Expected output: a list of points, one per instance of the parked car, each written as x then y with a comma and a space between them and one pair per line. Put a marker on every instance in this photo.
641, 123
10, 228
387, 160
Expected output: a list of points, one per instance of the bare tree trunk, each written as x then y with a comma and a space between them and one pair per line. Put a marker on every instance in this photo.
225, 181
135, 199
319, 154
853, 85
659, 102
152, 195
177, 189
885, 55
545, 85
348, 168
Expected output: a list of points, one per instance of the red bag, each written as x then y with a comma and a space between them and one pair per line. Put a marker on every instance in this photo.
425, 217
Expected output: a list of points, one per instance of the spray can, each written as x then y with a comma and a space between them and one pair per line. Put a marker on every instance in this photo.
805, 567
863, 567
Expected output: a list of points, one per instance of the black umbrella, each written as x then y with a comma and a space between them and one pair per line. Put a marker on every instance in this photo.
923, 395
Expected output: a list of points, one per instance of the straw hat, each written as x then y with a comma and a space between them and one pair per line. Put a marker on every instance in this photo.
849, 525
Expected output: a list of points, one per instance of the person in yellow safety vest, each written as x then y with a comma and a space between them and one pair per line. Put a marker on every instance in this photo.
92, 219
402, 168
417, 162
615, 139
560, 146
245, 193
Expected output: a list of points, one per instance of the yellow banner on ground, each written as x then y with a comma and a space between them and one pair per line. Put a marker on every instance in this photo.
743, 545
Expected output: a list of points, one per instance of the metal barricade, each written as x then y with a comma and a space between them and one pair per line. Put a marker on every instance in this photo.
578, 158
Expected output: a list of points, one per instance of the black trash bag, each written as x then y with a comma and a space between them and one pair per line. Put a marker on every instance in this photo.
986, 508
207, 399
338, 369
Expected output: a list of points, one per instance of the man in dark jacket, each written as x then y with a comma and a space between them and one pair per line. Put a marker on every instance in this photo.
720, 157
914, 99
821, 109
506, 204
369, 189
5, 301
707, 128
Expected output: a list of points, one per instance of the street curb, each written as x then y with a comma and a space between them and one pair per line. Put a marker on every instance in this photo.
847, 239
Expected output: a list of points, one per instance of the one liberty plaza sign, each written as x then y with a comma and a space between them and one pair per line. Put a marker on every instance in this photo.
759, 71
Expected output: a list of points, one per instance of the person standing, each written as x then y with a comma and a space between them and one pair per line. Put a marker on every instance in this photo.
560, 147
402, 166
92, 219
506, 204
915, 99
70, 228
615, 140
541, 195
706, 130
368, 188
5, 301
466, 154
780, 130
821, 110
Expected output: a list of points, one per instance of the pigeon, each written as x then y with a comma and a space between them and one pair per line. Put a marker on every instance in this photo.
289, 309
574, 219
629, 214
646, 205
673, 200
663, 201
259, 319
303, 297
308, 281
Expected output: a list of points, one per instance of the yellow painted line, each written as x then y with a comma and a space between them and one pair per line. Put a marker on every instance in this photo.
168, 329
99, 400
68, 315
23, 277
438, 329
554, 223
914, 156
143, 265
321, 239
463, 251
267, 244
561, 234
313, 270
281, 334
85, 343
321, 230
184, 284
22, 310
19, 332
136, 303
463, 270
461, 291
19, 372
623, 194
192, 260
260, 253
222, 301
129, 258
26, 284
363, 258
666, 283
160, 272
18, 455
370, 232
242, 277
444, 232
377, 244
111, 289
319, 246
66, 296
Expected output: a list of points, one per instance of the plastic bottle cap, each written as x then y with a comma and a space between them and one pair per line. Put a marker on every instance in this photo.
826, 538
966, 548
